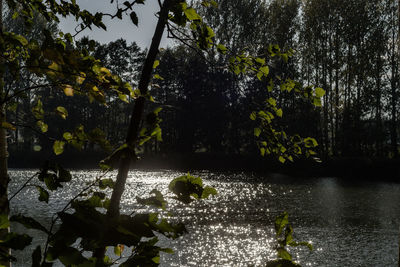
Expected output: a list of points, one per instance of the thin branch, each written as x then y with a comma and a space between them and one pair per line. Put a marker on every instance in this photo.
56, 216
23, 186
8, 98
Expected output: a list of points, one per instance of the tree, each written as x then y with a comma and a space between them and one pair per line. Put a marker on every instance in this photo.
77, 72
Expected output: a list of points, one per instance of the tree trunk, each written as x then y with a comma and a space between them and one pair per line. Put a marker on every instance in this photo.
4, 205
136, 117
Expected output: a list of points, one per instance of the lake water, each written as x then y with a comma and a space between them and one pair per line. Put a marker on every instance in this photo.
349, 224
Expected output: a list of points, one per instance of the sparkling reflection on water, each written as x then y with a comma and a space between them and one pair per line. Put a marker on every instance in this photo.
348, 224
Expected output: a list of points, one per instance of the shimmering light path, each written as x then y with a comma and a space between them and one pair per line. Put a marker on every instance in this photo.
348, 224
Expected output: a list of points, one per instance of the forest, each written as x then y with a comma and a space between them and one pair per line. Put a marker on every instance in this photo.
244, 84
347, 48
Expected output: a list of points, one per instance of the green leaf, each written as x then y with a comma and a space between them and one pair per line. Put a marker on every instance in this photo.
21, 39
157, 76
208, 191
156, 63
253, 116
260, 60
28, 222
58, 147
185, 187
259, 75
43, 194
72, 256
4, 222
106, 183
118, 250
257, 132
7, 125
37, 148
67, 136
281, 159
272, 101
319, 92
279, 112
62, 112
191, 14
262, 151
265, 70
221, 49
283, 254
157, 200
43, 126
310, 142
16, 241
64, 175
280, 222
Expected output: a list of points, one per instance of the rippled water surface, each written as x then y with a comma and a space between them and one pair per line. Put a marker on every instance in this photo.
348, 224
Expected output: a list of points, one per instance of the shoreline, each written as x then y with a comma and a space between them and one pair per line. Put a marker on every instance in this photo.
352, 169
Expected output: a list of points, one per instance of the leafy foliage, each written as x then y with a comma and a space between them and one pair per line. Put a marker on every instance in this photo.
284, 238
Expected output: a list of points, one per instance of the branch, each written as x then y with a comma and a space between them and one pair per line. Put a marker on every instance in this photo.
23, 186
8, 98
56, 216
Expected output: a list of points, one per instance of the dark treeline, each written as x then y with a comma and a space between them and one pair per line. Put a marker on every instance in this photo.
349, 48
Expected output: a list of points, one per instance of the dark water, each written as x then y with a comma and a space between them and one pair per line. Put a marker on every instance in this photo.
348, 224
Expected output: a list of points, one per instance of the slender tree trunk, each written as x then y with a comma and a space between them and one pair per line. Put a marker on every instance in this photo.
4, 205
136, 117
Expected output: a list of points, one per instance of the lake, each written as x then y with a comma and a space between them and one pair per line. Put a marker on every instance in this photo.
349, 224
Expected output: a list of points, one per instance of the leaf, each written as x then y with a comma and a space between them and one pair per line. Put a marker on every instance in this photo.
310, 142
208, 191
279, 113
157, 200
260, 60
43, 194
43, 126
253, 116
37, 148
156, 63
63, 175
7, 125
68, 90
21, 39
157, 76
221, 49
319, 92
134, 18
36, 257
58, 147
72, 256
259, 75
265, 70
67, 136
4, 222
185, 187
283, 254
191, 14
62, 112
280, 222
281, 159
106, 183
118, 250
16, 241
257, 132
272, 101
28, 222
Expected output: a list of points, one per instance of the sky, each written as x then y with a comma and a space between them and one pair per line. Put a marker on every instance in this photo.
119, 28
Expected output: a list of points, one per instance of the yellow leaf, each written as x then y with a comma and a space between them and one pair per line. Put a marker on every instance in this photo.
68, 90
8, 126
156, 63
